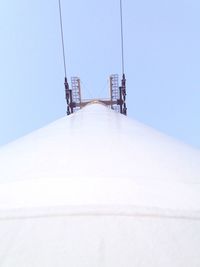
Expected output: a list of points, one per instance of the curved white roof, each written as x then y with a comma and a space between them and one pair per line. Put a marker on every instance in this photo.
99, 189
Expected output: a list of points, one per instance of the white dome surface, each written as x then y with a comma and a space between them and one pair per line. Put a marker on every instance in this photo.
99, 189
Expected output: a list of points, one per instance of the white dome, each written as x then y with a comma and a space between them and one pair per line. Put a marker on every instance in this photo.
99, 189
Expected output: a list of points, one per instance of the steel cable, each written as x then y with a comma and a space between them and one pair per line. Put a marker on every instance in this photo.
62, 37
122, 36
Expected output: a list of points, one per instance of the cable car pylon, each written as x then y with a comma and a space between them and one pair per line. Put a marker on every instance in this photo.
117, 100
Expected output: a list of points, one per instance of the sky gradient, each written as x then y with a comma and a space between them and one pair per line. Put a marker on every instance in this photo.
162, 61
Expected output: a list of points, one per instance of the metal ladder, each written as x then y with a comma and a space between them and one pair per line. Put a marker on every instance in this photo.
114, 91
76, 92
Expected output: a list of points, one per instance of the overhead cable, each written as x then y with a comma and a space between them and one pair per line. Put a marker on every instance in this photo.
122, 36
62, 37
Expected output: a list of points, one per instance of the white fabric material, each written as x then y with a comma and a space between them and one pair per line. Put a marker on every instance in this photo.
99, 189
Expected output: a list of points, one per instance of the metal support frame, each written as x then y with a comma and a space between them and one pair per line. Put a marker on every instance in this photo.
123, 92
116, 102
68, 97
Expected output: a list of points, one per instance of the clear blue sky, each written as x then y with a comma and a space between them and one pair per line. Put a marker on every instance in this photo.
162, 61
